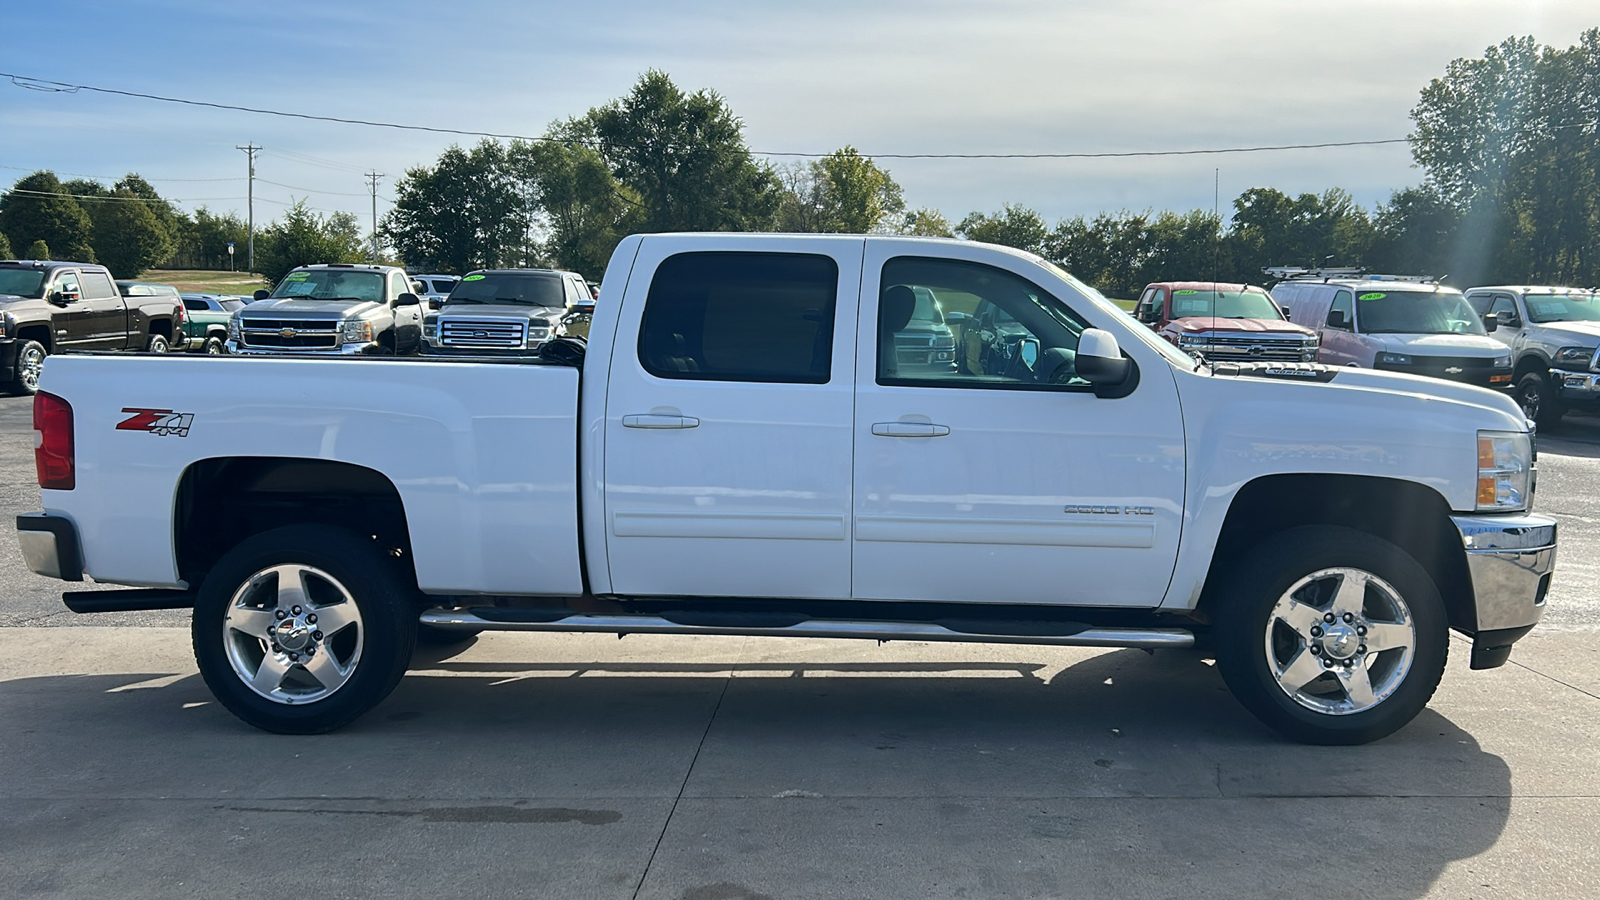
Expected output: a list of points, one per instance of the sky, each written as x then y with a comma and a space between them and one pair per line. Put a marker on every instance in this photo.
929, 76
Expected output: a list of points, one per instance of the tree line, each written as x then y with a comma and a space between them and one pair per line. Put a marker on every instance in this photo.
1509, 143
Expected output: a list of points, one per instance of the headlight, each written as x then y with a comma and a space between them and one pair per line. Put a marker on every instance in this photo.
6, 324
1396, 359
1502, 362
1574, 354
233, 328
538, 332
1505, 466
357, 330
1191, 340
944, 342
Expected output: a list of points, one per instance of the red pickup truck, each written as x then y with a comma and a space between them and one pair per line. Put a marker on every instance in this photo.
1235, 322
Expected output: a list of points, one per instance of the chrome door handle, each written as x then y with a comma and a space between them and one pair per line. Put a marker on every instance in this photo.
650, 421
909, 429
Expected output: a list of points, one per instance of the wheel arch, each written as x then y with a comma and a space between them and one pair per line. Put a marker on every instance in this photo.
221, 501
38, 331
1410, 515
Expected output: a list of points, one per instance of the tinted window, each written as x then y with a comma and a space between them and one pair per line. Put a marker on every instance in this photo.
525, 288
196, 303
1223, 304
98, 286
22, 282
1416, 312
67, 282
331, 284
943, 323
741, 317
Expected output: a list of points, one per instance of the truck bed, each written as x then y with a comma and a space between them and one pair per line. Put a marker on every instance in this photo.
485, 452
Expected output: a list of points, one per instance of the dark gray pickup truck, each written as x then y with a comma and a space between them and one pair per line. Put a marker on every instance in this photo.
47, 307
504, 312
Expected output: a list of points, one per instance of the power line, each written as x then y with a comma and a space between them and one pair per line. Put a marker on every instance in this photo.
295, 156
98, 197
30, 83
311, 190
108, 177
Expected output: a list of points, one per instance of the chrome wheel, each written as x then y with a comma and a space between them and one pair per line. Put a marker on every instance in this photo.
293, 634
29, 364
1528, 397
1340, 641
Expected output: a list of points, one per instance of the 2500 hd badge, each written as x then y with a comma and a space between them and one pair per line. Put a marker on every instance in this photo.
1111, 510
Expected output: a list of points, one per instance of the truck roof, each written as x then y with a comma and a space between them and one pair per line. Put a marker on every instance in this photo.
1205, 286
48, 264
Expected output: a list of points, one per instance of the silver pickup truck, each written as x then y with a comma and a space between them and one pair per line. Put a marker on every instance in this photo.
335, 308
1554, 336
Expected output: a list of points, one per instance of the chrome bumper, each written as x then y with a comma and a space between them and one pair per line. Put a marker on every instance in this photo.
1510, 559
342, 349
50, 546
1576, 387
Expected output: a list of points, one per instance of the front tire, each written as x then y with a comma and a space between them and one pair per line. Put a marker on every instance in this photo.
30, 362
1354, 679
1537, 397
301, 630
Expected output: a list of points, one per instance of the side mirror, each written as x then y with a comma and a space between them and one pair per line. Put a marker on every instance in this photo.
1339, 319
1491, 323
1100, 360
262, 294
1283, 309
1030, 352
956, 318
1508, 319
407, 299
62, 298
435, 303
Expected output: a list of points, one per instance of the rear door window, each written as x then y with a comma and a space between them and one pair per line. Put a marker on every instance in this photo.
730, 316
98, 286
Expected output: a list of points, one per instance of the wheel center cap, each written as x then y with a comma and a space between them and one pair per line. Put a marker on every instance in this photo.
1341, 641
293, 634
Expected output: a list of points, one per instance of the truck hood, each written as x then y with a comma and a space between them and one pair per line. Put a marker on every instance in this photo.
1470, 345
1201, 324
1586, 332
299, 308
503, 311
1313, 374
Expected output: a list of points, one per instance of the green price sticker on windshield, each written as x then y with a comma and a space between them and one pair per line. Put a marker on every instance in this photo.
298, 276
1378, 296
1175, 293
473, 278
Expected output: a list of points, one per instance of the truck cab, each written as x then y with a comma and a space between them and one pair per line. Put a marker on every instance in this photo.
1554, 337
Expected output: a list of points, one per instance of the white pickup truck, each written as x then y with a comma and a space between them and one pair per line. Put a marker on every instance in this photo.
741, 452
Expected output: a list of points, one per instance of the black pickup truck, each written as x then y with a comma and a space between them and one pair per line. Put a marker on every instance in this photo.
47, 307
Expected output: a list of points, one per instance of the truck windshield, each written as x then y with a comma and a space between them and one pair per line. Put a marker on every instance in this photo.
1571, 306
332, 284
22, 283
1415, 312
1223, 305
525, 288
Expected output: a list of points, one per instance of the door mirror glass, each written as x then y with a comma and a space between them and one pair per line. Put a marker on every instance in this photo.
1030, 352
262, 294
1339, 319
1100, 360
1506, 319
407, 299
1492, 323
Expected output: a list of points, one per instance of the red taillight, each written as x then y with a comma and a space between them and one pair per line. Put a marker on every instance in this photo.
52, 442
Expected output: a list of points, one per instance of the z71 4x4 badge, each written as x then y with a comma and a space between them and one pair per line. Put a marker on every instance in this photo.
160, 422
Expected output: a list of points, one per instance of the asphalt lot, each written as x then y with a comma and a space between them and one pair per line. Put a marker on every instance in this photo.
736, 769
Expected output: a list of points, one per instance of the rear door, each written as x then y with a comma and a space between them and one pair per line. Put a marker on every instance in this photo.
728, 417
102, 312
1006, 480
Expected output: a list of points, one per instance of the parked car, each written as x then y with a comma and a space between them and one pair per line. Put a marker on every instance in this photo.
504, 311
1416, 327
1226, 322
1554, 336
735, 456
206, 323
926, 345
434, 289
342, 308
48, 307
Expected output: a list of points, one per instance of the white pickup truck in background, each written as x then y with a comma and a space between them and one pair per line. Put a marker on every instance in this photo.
741, 452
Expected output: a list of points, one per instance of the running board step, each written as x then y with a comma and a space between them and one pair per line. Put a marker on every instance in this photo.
1066, 634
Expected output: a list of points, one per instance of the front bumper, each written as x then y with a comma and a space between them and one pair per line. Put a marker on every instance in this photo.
50, 546
8, 358
353, 349
1576, 387
1453, 370
1509, 559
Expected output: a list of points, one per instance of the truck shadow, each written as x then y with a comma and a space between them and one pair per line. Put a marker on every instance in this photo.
1075, 761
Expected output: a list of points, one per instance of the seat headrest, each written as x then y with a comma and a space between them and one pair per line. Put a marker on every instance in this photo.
895, 308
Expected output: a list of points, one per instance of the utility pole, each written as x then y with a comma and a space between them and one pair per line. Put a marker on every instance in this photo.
372, 179
251, 150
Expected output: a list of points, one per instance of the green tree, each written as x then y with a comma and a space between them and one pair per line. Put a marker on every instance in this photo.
1013, 226
926, 222
842, 193
128, 238
465, 212
5, 246
37, 208
580, 204
205, 244
1270, 228
303, 237
685, 158
38, 250
1112, 251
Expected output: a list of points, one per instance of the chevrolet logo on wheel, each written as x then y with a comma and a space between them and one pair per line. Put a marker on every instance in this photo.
288, 333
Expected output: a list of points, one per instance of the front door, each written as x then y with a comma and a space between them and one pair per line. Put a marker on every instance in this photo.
728, 418
1005, 479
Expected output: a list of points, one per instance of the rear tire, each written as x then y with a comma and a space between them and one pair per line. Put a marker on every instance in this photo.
158, 344
302, 629
214, 347
1355, 679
